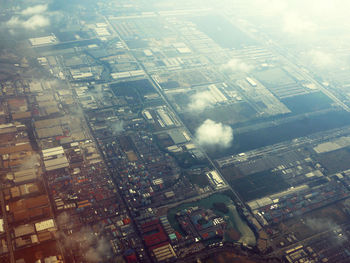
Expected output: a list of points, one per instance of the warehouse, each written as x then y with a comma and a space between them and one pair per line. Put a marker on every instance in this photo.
39, 41
54, 158
215, 180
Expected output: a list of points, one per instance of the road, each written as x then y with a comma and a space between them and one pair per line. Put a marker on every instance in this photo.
191, 199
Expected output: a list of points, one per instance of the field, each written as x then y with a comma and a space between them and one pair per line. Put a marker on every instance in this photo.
134, 91
222, 31
198, 179
274, 77
257, 185
335, 161
307, 103
286, 131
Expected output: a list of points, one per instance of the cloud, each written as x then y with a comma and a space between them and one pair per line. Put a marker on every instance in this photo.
36, 21
336, 233
237, 65
295, 18
212, 134
320, 224
96, 253
32, 23
270, 7
14, 22
63, 219
117, 127
31, 18
30, 162
320, 59
296, 25
95, 247
33, 10
200, 101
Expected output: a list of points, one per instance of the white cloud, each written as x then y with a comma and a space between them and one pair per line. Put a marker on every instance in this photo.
297, 18
336, 233
30, 162
36, 21
200, 101
237, 65
96, 253
14, 22
32, 23
31, 18
118, 126
212, 134
33, 10
320, 59
270, 7
94, 246
297, 25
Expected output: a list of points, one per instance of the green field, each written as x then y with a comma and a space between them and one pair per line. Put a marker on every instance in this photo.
274, 77
258, 185
307, 103
199, 179
222, 31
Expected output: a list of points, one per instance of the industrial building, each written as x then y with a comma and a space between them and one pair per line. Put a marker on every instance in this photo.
40, 41
54, 158
216, 180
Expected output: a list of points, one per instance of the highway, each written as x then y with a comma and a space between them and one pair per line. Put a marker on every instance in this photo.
191, 199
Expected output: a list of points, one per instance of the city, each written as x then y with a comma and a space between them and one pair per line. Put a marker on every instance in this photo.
154, 131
